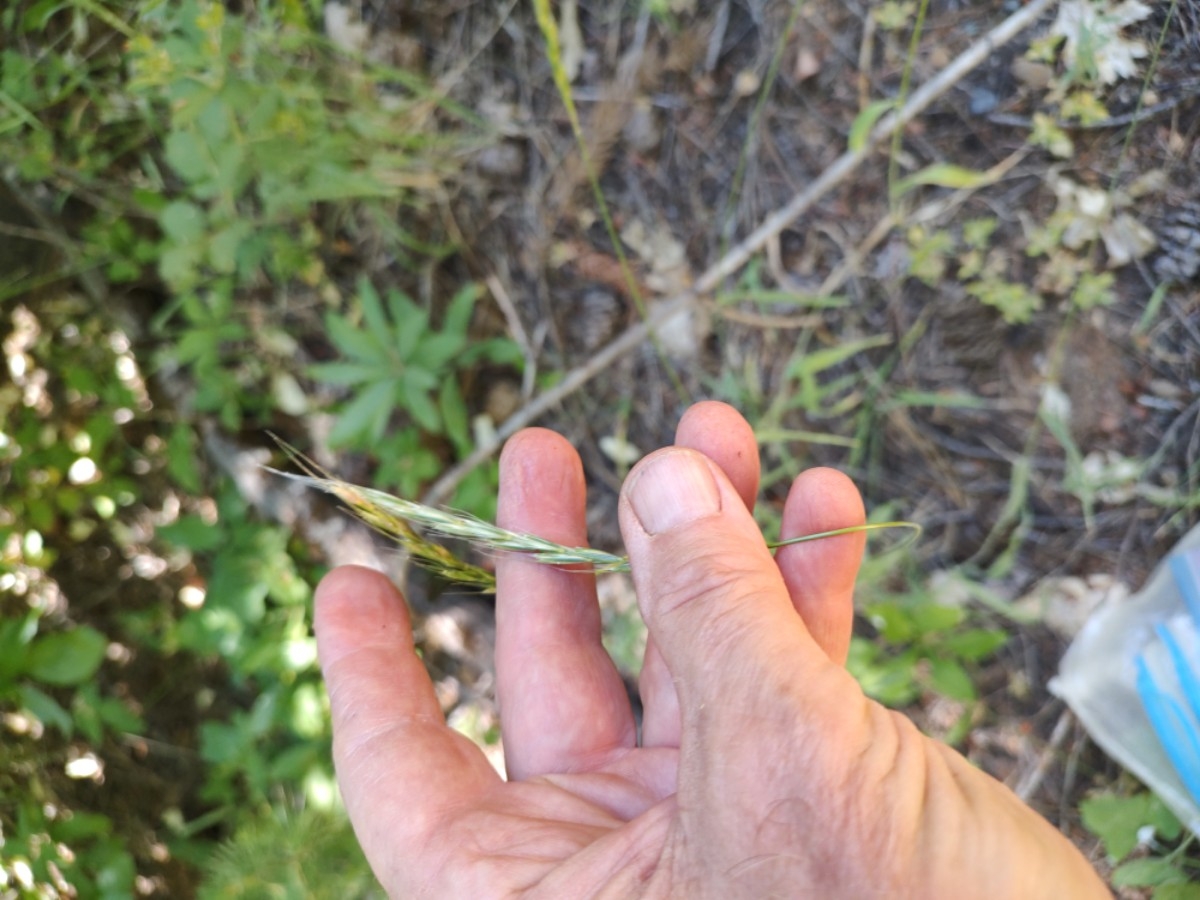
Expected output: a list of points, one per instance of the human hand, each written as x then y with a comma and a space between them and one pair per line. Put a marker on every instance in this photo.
762, 770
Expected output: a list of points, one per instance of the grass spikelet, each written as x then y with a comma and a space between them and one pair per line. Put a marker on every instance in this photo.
400, 520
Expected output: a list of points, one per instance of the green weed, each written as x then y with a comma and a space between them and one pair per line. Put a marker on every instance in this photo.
1127, 823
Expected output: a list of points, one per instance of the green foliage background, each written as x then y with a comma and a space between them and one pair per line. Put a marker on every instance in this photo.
178, 178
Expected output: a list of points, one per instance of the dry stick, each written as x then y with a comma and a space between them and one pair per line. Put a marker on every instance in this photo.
1032, 779
504, 301
738, 256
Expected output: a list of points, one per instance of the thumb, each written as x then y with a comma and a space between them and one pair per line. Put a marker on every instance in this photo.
709, 590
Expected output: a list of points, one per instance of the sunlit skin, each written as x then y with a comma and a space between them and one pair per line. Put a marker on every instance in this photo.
762, 771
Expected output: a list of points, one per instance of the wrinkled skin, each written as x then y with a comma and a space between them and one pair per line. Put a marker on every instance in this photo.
763, 770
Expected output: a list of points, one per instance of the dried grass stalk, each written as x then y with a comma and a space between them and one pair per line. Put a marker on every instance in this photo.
400, 520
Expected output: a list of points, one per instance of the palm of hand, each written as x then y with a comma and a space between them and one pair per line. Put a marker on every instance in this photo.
761, 769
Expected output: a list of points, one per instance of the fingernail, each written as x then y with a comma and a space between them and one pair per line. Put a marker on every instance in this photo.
673, 489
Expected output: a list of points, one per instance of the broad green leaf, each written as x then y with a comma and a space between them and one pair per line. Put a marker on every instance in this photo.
67, 657
15, 635
945, 175
1149, 872
93, 713
183, 221
1188, 891
178, 265
46, 709
225, 245
1116, 820
221, 743
214, 121
193, 533
889, 680
974, 644
892, 621
39, 14
188, 155
860, 128
951, 680
931, 617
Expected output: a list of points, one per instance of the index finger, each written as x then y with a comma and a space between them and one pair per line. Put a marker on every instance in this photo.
400, 768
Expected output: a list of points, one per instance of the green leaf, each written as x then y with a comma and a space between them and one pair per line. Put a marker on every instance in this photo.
929, 617
421, 379
410, 323
1094, 289
809, 364
975, 644
366, 415
455, 416
328, 182
182, 222
188, 156
1015, 302
182, 458
372, 308
892, 621
67, 657
15, 635
1046, 133
1189, 891
230, 174
903, 399
945, 175
950, 679
1116, 820
348, 374
192, 533
458, 313
46, 709
225, 246
890, 681
860, 129
420, 405
977, 232
436, 350
1148, 872
501, 351
352, 342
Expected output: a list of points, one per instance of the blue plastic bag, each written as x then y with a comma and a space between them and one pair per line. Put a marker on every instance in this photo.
1132, 676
